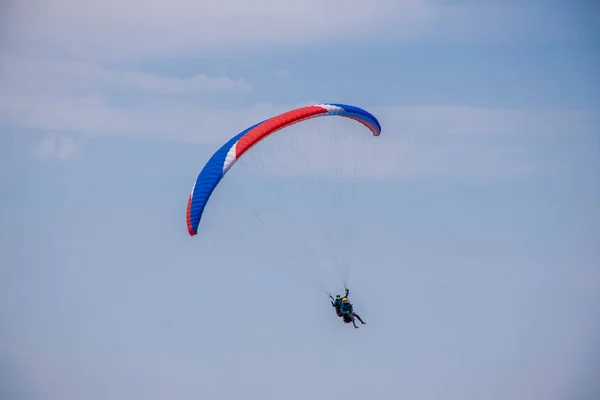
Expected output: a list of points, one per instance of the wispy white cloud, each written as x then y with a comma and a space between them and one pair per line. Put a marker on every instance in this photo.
283, 73
465, 120
121, 28
80, 98
51, 147
28, 74
64, 104
76, 97
417, 142
58, 95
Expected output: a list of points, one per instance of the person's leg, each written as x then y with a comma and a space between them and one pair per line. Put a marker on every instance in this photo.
351, 316
359, 318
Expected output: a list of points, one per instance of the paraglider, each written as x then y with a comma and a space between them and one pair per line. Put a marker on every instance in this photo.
337, 302
225, 157
345, 309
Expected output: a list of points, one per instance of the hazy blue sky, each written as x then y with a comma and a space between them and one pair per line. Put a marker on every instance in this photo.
473, 227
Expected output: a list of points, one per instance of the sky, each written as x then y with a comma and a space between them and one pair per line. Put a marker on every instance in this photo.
468, 232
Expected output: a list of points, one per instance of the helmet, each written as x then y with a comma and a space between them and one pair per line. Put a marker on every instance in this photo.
344, 300
337, 295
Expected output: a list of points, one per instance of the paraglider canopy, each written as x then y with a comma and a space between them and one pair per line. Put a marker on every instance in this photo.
224, 158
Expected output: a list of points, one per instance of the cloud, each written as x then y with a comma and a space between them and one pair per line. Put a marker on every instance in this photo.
416, 143
70, 96
67, 96
57, 99
283, 73
75, 98
51, 147
464, 120
124, 27
26, 74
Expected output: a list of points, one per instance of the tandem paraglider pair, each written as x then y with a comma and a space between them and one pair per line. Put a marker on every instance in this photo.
229, 153
345, 310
